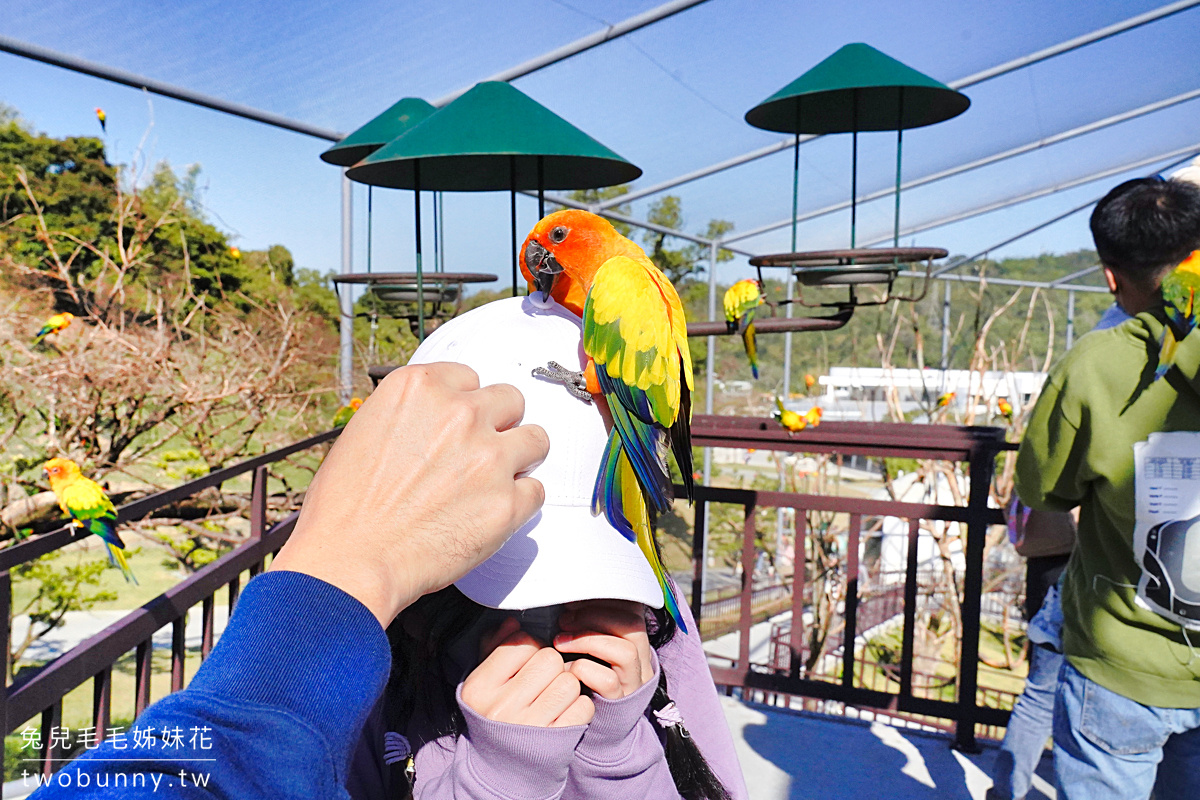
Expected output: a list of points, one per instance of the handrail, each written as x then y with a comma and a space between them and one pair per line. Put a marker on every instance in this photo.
85, 660
977, 446
49, 542
94, 657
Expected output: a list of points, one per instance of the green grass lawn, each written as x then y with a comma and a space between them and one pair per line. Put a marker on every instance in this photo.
77, 705
146, 559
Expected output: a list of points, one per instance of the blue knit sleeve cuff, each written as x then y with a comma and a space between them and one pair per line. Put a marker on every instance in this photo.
303, 646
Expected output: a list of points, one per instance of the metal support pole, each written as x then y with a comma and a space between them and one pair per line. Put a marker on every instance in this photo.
346, 318
417, 233
512, 200
710, 365
946, 329
1070, 319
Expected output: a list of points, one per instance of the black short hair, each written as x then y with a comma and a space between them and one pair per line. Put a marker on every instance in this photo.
1147, 226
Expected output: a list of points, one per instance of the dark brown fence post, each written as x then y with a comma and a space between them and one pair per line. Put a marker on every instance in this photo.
141, 682
698, 565
258, 519
178, 653
850, 631
206, 626
981, 465
747, 608
799, 566
910, 609
102, 702
6, 602
51, 722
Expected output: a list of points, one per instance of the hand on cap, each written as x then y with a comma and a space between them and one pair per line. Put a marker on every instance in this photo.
613, 631
422, 485
522, 682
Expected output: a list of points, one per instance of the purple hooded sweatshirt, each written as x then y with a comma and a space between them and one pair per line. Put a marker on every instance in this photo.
617, 756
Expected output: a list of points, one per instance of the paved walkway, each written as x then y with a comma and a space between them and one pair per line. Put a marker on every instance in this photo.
794, 755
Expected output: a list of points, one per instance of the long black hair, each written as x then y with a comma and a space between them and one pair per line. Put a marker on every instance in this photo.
423, 677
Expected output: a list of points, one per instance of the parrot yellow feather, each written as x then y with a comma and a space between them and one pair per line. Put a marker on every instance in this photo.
635, 338
85, 502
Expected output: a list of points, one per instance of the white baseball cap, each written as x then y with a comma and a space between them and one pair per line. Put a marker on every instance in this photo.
564, 553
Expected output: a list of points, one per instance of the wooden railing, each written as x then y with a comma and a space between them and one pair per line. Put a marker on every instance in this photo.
94, 658
976, 446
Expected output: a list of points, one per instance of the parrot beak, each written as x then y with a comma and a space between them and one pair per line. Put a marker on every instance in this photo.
544, 268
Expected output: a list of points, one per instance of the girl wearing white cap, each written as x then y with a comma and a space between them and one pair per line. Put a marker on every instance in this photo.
551, 670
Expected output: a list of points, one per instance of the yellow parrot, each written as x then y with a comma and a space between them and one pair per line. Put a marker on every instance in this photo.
740, 302
55, 324
635, 338
89, 507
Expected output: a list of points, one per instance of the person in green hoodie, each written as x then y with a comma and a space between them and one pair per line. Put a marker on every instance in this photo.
1129, 692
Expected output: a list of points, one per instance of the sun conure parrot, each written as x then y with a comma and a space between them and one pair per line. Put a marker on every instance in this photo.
741, 300
89, 508
55, 324
1005, 408
946, 399
789, 419
809, 382
1179, 301
635, 339
100, 115
344, 413
235, 253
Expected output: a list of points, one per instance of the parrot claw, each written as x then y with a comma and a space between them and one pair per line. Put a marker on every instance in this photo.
574, 381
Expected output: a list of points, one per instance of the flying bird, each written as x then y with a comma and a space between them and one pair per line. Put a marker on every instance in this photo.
1179, 301
54, 324
100, 115
89, 507
635, 339
344, 413
740, 302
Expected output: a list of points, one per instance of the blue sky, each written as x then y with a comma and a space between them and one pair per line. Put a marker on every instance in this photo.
670, 98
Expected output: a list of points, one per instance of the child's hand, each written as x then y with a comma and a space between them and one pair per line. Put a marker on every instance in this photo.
613, 631
524, 683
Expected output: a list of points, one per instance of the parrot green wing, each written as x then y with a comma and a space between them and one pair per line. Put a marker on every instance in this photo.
84, 499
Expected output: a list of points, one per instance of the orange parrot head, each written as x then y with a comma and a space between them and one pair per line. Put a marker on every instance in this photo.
60, 469
564, 250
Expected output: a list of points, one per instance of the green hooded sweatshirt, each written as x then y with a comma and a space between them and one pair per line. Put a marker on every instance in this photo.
1100, 400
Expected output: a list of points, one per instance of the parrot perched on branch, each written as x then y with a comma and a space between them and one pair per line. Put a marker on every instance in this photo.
100, 115
1179, 300
740, 301
1005, 408
635, 338
344, 413
89, 508
55, 324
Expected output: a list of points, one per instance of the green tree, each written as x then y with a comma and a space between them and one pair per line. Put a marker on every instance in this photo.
594, 196
689, 260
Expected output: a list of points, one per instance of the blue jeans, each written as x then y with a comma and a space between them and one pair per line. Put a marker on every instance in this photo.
1028, 728
1107, 747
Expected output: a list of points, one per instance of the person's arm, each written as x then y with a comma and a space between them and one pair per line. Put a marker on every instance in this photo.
420, 487
1050, 474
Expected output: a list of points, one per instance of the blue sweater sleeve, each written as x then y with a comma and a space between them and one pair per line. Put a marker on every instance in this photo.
272, 713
